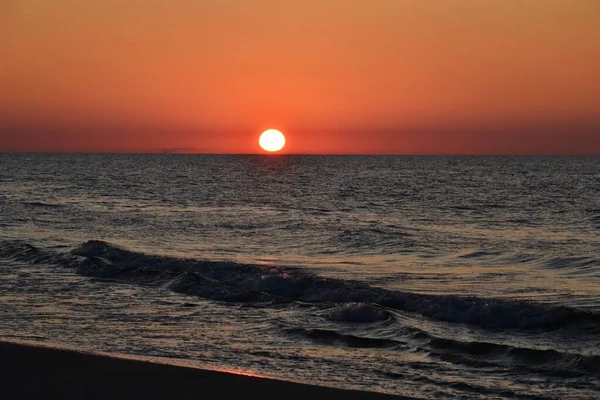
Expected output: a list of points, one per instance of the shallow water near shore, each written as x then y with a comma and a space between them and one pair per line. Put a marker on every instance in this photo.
445, 277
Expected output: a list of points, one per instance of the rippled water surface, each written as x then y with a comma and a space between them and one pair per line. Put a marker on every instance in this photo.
445, 277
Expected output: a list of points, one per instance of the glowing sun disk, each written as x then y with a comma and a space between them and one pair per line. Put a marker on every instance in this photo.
271, 140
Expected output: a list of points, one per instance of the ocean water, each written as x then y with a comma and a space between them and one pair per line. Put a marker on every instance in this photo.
433, 277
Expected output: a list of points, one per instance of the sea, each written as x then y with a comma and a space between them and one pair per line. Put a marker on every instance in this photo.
425, 276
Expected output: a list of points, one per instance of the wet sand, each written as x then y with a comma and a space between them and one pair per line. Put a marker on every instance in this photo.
31, 372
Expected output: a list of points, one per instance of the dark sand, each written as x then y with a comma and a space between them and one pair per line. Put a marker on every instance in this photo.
29, 372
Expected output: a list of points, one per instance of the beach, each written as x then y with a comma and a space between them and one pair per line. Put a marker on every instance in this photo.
31, 372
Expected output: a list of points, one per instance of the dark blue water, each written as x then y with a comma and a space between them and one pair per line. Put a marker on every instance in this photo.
448, 277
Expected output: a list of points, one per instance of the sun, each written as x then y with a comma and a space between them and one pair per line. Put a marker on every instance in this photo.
271, 140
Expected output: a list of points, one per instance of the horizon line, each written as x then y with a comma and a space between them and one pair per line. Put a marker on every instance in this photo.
305, 154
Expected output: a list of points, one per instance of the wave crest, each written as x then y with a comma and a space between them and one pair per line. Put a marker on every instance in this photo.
358, 312
233, 282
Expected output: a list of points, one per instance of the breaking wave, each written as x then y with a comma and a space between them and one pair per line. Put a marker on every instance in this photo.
352, 301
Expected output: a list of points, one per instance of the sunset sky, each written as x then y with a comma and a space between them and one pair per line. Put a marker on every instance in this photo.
336, 76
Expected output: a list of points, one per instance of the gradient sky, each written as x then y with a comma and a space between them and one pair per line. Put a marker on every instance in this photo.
336, 76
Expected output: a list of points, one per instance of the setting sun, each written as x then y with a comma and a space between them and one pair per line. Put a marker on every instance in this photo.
271, 140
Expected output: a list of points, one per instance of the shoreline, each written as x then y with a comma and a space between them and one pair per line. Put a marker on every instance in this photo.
40, 371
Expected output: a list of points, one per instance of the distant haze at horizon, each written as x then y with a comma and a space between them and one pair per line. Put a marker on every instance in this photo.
337, 77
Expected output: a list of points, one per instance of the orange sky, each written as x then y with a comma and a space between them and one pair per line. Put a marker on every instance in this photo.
336, 76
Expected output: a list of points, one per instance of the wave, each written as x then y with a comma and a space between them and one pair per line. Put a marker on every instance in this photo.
358, 312
328, 336
492, 354
480, 254
21, 251
382, 239
572, 266
246, 283
42, 204
571, 262
473, 354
